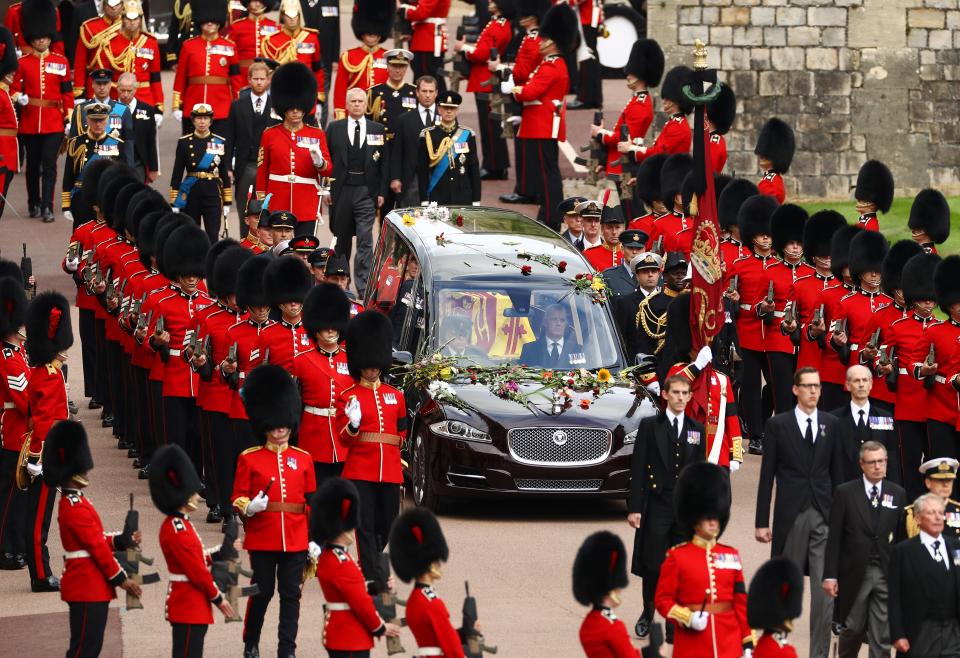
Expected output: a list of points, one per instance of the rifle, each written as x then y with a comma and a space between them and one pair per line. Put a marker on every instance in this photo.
874, 340
87, 273
734, 281
266, 357
133, 557
789, 317
110, 290
143, 321
137, 305
597, 153
73, 251
769, 299
658, 246
386, 603
402, 30
226, 571
164, 350
931, 359
234, 378
892, 360
473, 644
498, 104
192, 345
26, 267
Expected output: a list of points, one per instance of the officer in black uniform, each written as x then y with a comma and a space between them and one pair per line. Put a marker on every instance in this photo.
650, 323
387, 101
200, 186
93, 144
448, 170
119, 122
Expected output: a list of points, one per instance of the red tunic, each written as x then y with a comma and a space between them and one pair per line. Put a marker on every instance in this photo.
675, 137
783, 276
602, 256
772, 185
342, 582
805, 295
191, 589
45, 79
91, 577
752, 284
322, 377
495, 34
857, 308
286, 170
303, 47
93, 33
14, 375
869, 221
637, 115
882, 319
178, 308
215, 395
643, 223
253, 244
47, 397
714, 407
547, 86
427, 18
429, 622
294, 481
718, 152
285, 341
139, 55
907, 336
603, 635
730, 251
942, 401
831, 370
9, 126
359, 67
383, 412
248, 34
246, 336
671, 226
528, 57
774, 645
207, 73
590, 11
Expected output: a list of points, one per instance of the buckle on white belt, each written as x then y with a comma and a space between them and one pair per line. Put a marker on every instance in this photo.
902, 371
940, 379
174, 352
74, 555
320, 411
854, 346
178, 578
9, 405
429, 651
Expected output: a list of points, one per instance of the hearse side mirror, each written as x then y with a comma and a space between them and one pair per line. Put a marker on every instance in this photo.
403, 357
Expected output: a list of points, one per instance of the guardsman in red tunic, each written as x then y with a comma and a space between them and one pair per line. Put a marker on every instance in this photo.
774, 150
14, 371
293, 157
287, 281
173, 487
297, 43
599, 575
873, 193
728, 205
418, 550
271, 491
673, 225
249, 32
943, 410
20, 14
774, 601
365, 65
675, 136
90, 569
720, 116
322, 374
833, 373
350, 620
429, 42
9, 124
94, 33
132, 50
929, 221
612, 223
714, 624
207, 68
648, 193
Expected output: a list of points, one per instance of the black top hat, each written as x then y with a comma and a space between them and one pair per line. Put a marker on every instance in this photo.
334, 510
66, 453
599, 568
646, 61
326, 307
173, 479
271, 399
875, 185
416, 542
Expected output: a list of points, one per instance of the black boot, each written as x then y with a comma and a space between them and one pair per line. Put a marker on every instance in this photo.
47, 215
34, 211
214, 515
49, 584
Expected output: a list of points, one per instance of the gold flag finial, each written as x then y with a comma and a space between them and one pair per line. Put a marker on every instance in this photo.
699, 55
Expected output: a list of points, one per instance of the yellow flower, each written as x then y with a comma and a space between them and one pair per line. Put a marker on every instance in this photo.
597, 284
408, 220
604, 376
445, 373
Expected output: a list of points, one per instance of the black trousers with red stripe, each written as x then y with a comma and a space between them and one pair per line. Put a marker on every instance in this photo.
379, 508
754, 366
13, 506
181, 426
188, 640
281, 571
913, 446
492, 143
88, 620
40, 505
540, 163
102, 377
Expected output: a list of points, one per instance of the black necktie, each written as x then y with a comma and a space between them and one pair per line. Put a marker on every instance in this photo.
808, 435
427, 121
860, 423
863, 432
259, 106
874, 496
356, 134
676, 430
554, 352
936, 552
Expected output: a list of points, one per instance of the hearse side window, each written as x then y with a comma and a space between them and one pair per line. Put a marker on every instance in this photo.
395, 264
408, 315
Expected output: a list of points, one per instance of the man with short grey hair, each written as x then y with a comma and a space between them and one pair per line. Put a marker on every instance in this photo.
864, 419
146, 119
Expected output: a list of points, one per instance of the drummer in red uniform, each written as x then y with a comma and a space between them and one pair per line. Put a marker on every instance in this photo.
350, 620
599, 575
711, 625
873, 193
775, 147
249, 32
90, 571
287, 281
173, 487
774, 601
274, 481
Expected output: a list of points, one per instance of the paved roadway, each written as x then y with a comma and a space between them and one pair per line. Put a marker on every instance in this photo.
516, 555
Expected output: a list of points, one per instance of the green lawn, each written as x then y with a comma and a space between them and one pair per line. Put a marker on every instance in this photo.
894, 223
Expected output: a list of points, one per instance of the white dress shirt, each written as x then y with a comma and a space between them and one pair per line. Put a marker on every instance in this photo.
802, 422
678, 417
587, 244
868, 485
423, 114
133, 106
351, 126
927, 541
263, 102
558, 342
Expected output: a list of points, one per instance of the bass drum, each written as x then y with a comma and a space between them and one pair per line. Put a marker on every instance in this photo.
625, 25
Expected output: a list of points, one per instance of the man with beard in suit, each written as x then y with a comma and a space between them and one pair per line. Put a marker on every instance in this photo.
864, 523
862, 420
554, 348
802, 454
146, 158
406, 142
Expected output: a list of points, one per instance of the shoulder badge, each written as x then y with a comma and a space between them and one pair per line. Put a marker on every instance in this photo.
770, 176
714, 139
300, 450
7, 353
607, 614
429, 593
178, 525
73, 499
340, 554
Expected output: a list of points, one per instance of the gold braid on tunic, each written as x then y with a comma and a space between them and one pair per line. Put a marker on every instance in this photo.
444, 149
652, 324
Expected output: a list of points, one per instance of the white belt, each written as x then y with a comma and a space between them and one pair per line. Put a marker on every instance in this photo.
940, 379
175, 352
337, 607
902, 371
532, 103
317, 411
429, 651
9, 405
290, 178
432, 21
178, 578
745, 307
73, 555
779, 314
854, 346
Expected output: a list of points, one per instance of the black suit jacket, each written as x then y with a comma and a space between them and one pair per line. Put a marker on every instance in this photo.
145, 136
405, 146
374, 158
805, 476
243, 131
576, 242
327, 25
650, 471
537, 353
916, 583
880, 430
855, 532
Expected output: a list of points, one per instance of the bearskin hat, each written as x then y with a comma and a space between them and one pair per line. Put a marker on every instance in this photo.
917, 278
271, 399
776, 594
867, 251
507, 8
293, 86
646, 61
648, 179
930, 213
11, 269
210, 261
840, 249
326, 307
9, 63
250, 287
723, 110
818, 233
560, 25
370, 336
672, 89
173, 479
147, 236
372, 17
720, 182
108, 187
185, 251
897, 257
335, 509
209, 11
13, 305
702, 492
287, 280
786, 225
875, 185
86, 198
38, 19
120, 205
141, 204
167, 224
416, 542
532, 8
777, 144
49, 330
225, 269
754, 216
599, 568
729, 201
66, 453
946, 282
675, 169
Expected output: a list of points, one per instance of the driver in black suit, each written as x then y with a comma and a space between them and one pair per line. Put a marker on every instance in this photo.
554, 348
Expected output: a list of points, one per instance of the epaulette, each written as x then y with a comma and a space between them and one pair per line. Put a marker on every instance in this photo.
340, 554
429, 593
310, 29
178, 525
299, 450
218, 136
187, 136
253, 449
899, 320
683, 543
7, 353
350, 388
73, 499
678, 119
770, 176
849, 294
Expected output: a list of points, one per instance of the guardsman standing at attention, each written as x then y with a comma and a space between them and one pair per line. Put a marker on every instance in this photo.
939, 476
297, 43
21, 13
599, 575
9, 145
873, 193
429, 42
929, 221
721, 114
612, 222
363, 66
271, 490
207, 68
775, 599
91, 146
448, 169
675, 136
199, 185
93, 34
90, 570
775, 147
249, 32
131, 50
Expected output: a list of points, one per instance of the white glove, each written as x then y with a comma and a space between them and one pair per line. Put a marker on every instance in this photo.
313, 550
36, 470
66, 129
475, 203
734, 466
353, 412
318, 110
226, 211
506, 87
158, 118
704, 356
748, 653
654, 387
175, 210
23, 99
317, 156
67, 215
698, 621
178, 115
258, 504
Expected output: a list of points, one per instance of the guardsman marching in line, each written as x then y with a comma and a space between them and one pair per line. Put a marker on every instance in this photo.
674, 225
714, 623
929, 221
939, 477
207, 68
675, 136
322, 374
363, 66
648, 195
9, 125
293, 157
271, 490
429, 42
297, 43
775, 599
612, 223
41, 87
372, 424
351, 621
599, 575
248, 34
22, 13
96, 143
199, 185
132, 50
174, 487
287, 282
418, 550
944, 339
728, 206
119, 121
93, 34
720, 116
49, 335
253, 240
448, 169
90, 571
392, 98
774, 150
873, 193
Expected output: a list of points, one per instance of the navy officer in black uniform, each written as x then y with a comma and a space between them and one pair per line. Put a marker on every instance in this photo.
448, 170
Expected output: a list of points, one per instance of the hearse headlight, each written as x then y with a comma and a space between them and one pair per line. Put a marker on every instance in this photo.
455, 429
